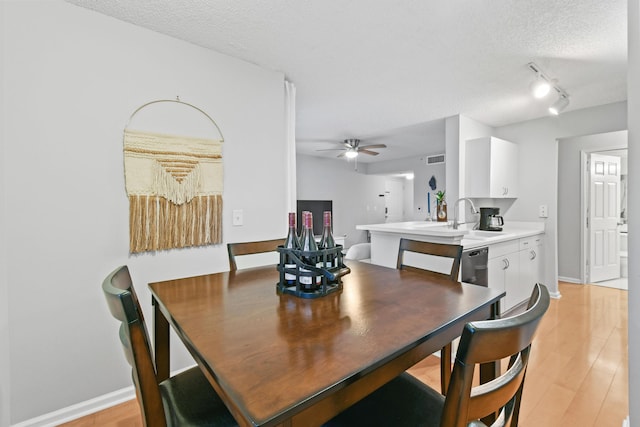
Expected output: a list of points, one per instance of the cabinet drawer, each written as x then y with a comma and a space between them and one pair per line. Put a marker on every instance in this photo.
530, 242
501, 249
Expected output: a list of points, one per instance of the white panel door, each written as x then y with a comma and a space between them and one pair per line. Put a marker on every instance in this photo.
604, 214
393, 200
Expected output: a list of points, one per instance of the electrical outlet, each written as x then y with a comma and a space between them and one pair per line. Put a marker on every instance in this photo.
543, 211
237, 217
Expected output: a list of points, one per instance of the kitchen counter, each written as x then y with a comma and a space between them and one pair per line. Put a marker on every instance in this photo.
385, 238
436, 231
478, 238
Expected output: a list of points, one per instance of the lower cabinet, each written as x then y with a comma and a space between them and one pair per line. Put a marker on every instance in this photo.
504, 270
514, 267
530, 263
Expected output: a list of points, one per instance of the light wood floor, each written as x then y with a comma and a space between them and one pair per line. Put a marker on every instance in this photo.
578, 370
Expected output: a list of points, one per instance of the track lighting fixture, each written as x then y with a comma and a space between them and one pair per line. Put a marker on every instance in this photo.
542, 85
562, 103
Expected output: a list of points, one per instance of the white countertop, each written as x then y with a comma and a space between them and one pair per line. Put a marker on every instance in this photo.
476, 239
468, 238
421, 228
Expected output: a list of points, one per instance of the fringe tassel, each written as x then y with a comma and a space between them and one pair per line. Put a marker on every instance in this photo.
156, 223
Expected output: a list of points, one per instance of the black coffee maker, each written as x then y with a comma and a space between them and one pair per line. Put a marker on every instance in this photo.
490, 219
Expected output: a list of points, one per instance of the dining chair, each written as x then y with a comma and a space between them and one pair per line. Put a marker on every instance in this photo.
186, 399
359, 252
250, 248
407, 401
441, 252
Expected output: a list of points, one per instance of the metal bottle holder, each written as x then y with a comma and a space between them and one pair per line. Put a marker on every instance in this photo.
307, 280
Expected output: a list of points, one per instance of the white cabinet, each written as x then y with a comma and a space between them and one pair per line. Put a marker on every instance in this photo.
530, 264
491, 169
514, 267
504, 271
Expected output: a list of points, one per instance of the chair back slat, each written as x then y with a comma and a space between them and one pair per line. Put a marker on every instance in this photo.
124, 306
250, 248
499, 392
488, 341
440, 250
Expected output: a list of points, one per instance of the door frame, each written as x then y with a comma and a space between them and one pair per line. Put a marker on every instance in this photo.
585, 195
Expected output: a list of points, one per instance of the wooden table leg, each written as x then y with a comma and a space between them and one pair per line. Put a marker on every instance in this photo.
161, 342
445, 368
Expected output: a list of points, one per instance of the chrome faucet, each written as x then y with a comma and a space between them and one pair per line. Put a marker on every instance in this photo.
455, 211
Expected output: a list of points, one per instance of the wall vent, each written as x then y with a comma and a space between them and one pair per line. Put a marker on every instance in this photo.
435, 160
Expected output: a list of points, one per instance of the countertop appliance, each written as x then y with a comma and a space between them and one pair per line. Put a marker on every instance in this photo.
474, 266
490, 219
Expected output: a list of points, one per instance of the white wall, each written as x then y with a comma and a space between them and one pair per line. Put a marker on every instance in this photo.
422, 173
633, 84
538, 163
407, 199
72, 78
356, 196
4, 292
459, 129
569, 196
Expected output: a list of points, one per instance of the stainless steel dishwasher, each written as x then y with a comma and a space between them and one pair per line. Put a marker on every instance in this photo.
474, 266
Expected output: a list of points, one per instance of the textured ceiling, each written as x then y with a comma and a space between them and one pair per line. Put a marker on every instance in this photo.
364, 68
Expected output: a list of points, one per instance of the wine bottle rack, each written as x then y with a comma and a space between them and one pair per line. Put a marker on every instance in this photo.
320, 281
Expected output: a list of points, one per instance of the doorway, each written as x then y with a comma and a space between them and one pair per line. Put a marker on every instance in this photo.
398, 197
604, 207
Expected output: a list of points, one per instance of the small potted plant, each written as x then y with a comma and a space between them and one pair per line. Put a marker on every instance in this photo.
441, 206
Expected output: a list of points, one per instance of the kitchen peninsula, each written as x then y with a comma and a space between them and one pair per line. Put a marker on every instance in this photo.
514, 255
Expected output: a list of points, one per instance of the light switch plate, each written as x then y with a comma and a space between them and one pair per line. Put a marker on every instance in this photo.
543, 211
237, 217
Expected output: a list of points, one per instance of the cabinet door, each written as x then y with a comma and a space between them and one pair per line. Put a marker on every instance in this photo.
512, 282
504, 169
496, 273
539, 269
491, 168
529, 267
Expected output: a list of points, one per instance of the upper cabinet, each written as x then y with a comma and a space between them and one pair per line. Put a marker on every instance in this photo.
491, 168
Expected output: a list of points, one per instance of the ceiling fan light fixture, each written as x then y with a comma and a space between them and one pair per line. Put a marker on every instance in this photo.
558, 106
351, 154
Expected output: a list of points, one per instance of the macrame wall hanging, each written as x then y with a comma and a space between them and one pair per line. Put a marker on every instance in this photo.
174, 184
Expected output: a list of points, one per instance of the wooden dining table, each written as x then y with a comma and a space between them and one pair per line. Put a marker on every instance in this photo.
284, 360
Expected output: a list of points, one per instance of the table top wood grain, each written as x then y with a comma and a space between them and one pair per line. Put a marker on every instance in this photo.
278, 359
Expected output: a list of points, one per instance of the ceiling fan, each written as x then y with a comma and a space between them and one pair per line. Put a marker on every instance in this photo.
351, 148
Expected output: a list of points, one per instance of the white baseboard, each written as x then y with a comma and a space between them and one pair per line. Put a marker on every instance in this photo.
569, 280
73, 412
81, 409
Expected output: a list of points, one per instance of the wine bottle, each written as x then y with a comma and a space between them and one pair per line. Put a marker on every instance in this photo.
327, 241
308, 244
302, 228
291, 242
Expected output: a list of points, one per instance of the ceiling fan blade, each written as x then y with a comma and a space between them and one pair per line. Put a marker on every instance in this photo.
372, 146
371, 153
342, 154
331, 149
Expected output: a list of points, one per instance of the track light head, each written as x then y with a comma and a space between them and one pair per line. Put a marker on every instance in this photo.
558, 106
540, 87
543, 85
